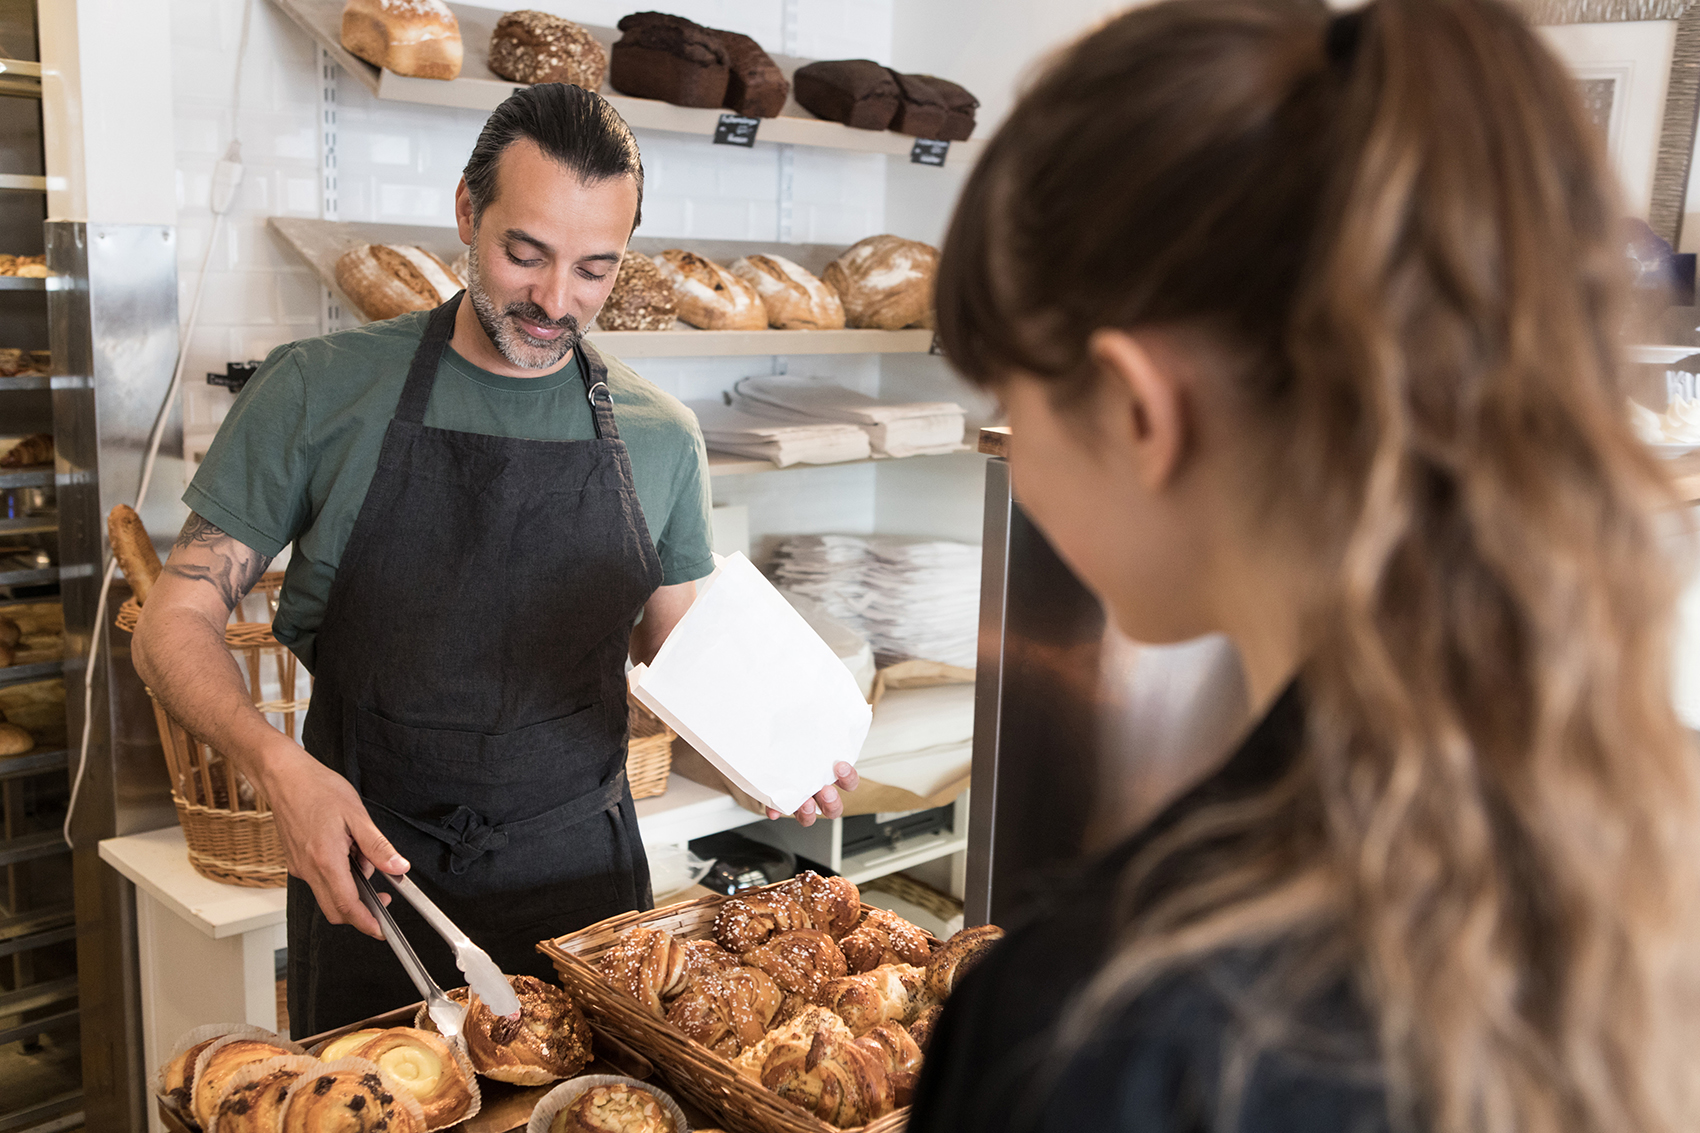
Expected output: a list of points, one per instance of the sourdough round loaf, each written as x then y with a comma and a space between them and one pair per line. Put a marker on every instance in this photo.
386, 280
708, 295
886, 282
795, 299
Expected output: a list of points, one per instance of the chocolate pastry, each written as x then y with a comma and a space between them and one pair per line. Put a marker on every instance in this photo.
353, 1100
669, 58
221, 1066
549, 1040
755, 86
922, 111
256, 1106
856, 92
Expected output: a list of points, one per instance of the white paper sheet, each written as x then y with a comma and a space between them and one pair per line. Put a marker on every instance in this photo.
747, 683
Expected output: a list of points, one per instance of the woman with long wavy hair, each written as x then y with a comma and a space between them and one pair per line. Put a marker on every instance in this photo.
1309, 331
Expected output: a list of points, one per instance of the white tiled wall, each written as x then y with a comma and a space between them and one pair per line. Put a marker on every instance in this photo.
399, 163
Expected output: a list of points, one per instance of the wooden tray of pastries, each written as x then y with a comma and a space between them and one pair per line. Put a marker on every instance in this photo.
792, 1008
504, 1108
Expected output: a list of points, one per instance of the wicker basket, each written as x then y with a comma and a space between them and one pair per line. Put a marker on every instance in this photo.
690, 1068
649, 752
230, 831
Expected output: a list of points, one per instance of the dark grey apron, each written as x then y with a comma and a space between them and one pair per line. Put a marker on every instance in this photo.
470, 683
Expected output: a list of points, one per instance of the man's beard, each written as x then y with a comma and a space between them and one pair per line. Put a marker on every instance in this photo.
503, 330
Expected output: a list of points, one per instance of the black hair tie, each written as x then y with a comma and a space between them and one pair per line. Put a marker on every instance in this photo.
1340, 41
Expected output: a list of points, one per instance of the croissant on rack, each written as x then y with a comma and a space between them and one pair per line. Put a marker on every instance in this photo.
653, 966
956, 956
727, 1009
884, 938
889, 993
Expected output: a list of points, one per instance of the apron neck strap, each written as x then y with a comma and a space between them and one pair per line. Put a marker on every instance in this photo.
422, 374
595, 374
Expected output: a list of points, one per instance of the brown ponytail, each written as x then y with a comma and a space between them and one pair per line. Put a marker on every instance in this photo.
1400, 229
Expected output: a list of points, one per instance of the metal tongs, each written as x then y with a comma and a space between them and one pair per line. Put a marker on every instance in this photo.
482, 975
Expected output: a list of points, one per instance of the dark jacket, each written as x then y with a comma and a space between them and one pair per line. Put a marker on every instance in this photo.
1212, 1046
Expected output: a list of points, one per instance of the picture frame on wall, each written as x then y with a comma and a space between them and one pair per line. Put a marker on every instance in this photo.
1637, 65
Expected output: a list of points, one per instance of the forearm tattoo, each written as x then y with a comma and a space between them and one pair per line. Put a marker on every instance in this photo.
233, 569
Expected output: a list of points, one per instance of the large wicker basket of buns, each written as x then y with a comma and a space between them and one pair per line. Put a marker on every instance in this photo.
620, 973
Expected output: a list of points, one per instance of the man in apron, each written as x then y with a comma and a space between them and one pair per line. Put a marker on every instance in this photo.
480, 507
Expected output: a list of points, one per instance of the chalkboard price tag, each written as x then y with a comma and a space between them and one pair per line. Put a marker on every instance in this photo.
926, 151
736, 130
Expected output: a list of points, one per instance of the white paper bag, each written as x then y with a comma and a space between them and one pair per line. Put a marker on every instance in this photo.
747, 683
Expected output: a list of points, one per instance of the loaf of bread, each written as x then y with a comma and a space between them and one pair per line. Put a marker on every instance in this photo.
709, 296
755, 86
641, 299
856, 92
419, 38
535, 47
133, 550
959, 109
795, 299
921, 110
669, 58
37, 448
386, 280
886, 282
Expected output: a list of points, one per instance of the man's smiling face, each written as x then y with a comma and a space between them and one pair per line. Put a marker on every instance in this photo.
544, 253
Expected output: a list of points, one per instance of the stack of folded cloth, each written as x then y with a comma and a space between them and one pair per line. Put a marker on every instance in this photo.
730, 429
915, 428
922, 739
913, 599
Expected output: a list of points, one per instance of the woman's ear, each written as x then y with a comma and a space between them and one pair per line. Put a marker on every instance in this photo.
1148, 401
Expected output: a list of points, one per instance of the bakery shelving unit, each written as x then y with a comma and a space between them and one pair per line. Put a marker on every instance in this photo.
39, 1048
479, 88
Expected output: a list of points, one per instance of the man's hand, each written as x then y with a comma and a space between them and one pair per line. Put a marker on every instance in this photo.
826, 803
320, 818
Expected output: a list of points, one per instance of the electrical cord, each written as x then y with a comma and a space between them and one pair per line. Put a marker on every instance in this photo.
227, 175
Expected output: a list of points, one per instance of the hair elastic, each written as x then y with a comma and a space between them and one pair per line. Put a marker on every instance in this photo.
1340, 41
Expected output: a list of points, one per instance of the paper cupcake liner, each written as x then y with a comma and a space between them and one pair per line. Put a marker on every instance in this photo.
403, 1098
302, 1063
457, 1047
568, 1092
195, 1038
236, 1034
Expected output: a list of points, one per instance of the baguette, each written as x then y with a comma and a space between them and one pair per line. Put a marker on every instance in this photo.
133, 550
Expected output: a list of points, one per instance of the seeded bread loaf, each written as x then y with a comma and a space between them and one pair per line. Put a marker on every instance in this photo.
420, 38
669, 58
386, 280
535, 47
795, 299
708, 295
641, 300
886, 282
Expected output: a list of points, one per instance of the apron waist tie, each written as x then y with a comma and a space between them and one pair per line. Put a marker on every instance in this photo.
469, 836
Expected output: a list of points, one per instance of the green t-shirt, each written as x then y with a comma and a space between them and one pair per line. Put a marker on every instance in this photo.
293, 460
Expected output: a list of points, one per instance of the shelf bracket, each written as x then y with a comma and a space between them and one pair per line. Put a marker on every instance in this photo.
330, 304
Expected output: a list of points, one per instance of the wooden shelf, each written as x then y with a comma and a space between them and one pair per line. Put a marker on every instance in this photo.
321, 242
479, 88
